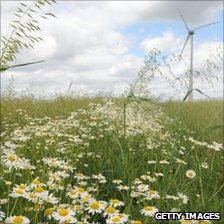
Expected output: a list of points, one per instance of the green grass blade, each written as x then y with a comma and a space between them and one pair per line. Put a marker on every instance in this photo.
2, 69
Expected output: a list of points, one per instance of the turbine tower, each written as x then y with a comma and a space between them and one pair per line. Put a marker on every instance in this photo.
191, 37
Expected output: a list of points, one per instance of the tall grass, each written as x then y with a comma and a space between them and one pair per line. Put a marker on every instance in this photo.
151, 156
205, 117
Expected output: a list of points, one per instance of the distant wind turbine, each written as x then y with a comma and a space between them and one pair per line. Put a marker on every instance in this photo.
190, 36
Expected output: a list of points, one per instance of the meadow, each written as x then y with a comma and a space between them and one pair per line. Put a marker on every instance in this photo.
92, 160
105, 160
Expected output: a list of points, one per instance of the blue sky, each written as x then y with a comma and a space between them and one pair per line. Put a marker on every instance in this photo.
143, 29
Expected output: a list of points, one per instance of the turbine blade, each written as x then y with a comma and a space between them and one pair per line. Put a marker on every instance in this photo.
203, 26
185, 23
184, 44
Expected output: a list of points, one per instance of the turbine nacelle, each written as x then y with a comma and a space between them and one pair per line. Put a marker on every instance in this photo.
192, 32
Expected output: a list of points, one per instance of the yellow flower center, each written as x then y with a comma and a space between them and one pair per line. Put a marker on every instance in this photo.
115, 201
79, 174
31, 195
37, 207
115, 219
152, 192
38, 189
12, 157
80, 190
149, 208
73, 192
18, 219
36, 182
48, 211
22, 186
77, 207
19, 191
137, 222
95, 205
63, 212
110, 210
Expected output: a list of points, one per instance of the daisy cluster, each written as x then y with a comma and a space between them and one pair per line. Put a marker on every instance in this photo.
99, 165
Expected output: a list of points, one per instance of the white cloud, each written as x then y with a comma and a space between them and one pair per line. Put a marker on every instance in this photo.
207, 83
85, 44
165, 42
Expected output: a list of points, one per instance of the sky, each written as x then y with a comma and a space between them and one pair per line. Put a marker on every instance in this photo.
99, 46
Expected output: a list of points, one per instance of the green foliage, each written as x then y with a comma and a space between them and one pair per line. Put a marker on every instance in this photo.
204, 117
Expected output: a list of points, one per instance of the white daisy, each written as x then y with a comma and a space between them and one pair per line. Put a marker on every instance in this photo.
151, 194
17, 220
96, 207
64, 215
110, 211
116, 203
149, 210
190, 174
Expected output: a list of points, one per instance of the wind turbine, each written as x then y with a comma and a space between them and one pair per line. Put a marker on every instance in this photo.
191, 37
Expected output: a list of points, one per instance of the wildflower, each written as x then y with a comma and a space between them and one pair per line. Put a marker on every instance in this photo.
17, 220
149, 211
3, 201
114, 219
164, 162
48, 212
110, 211
96, 207
119, 219
116, 203
116, 181
64, 215
49, 198
2, 215
183, 197
204, 165
171, 197
190, 174
81, 176
151, 194
215, 146
78, 208
180, 161
174, 210
36, 182
136, 222
158, 174
19, 191
77, 192
151, 162
52, 162
123, 187
143, 187
100, 178
11, 160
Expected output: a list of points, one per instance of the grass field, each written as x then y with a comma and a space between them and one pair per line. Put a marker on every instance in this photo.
203, 117
87, 160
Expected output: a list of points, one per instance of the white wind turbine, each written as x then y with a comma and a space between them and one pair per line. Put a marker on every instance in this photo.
191, 36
